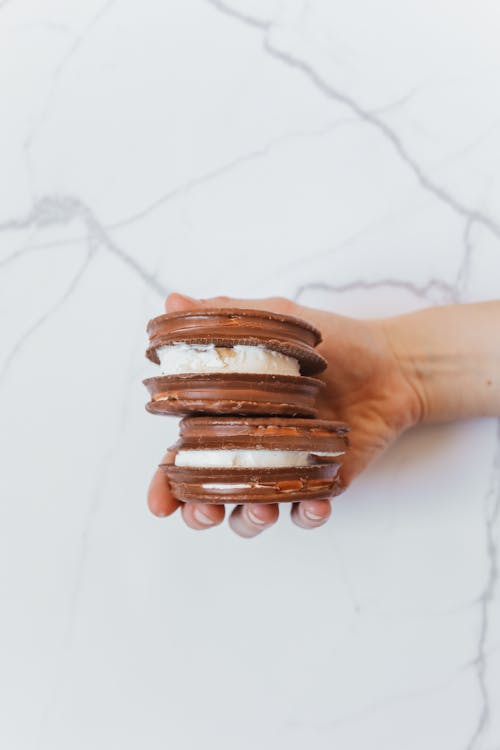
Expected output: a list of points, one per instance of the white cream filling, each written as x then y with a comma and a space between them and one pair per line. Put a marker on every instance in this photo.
198, 358
225, 459
228, 486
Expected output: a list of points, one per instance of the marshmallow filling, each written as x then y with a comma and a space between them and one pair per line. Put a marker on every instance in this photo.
226, 459
181, 358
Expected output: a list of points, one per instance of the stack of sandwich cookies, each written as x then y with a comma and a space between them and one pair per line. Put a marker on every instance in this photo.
234, 361
243, 377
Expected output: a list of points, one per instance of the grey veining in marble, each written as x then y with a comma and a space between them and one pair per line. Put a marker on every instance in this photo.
345, 155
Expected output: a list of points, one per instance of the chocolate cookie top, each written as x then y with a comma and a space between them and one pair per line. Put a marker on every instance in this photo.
287, 334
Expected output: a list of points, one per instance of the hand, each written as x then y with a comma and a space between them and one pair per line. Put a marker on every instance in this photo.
365, 387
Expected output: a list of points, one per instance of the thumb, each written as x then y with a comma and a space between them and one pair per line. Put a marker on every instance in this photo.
179, 302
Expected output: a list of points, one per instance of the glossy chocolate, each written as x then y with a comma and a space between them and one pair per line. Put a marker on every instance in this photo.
233, 393
267, 485
268, 433
276, 485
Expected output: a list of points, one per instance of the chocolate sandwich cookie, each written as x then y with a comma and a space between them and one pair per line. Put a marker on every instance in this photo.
268, 460
233, 361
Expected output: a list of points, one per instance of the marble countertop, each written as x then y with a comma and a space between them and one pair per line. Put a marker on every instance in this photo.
346, 155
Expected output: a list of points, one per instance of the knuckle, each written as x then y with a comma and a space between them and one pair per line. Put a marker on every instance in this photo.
221, 300
285, 304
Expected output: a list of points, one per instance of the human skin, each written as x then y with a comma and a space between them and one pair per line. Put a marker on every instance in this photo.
384, 376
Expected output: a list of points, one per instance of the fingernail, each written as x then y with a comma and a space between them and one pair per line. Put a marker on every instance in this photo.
313, 516
186, 298
255, 519
202, 519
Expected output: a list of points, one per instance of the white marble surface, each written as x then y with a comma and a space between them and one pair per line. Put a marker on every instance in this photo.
347, 154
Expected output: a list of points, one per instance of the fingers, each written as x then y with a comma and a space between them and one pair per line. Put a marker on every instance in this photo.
160, 500
178, 302
201, 516
252, 519
246, 520
311, 513
162, 503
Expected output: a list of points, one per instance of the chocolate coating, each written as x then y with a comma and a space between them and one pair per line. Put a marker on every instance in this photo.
233, 393
231, 326
276, 485
310, 435
267, 485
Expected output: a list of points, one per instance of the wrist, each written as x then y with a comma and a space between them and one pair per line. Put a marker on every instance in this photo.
451, 358
400, 340
407, 404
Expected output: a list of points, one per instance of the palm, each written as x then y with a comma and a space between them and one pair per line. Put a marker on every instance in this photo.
365, 387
